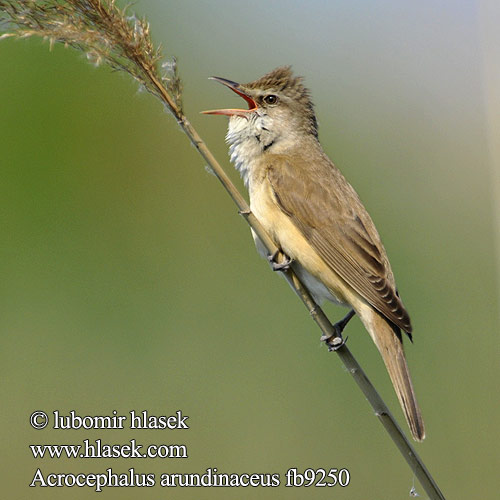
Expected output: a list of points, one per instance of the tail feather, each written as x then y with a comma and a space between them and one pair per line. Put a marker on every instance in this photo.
386, 338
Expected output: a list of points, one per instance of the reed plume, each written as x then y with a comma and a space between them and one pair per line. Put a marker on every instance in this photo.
106, 33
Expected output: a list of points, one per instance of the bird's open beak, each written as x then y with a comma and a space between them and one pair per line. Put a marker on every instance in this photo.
235, 87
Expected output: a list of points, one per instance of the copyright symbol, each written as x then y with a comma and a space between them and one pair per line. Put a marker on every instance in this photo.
39, 420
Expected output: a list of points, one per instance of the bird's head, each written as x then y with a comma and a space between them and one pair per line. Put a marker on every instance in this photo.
278, 104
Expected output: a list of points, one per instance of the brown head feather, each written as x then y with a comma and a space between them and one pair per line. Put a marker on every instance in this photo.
283, 81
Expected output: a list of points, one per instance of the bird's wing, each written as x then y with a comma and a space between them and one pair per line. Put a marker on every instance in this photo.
318, 201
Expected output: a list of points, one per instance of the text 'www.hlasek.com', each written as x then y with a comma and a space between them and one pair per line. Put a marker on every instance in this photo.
142, 420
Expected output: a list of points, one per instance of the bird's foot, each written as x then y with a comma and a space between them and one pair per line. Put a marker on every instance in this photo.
336, 341
279, 266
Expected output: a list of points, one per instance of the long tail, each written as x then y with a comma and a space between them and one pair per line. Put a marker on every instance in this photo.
391, 348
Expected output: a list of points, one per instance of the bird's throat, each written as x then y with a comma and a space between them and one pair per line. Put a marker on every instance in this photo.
248, 140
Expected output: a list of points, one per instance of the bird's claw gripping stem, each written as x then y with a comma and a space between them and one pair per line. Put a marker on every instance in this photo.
279, 266
336, 341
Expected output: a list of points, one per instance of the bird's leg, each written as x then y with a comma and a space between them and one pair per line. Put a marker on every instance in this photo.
336, 341
279, 266
340, 325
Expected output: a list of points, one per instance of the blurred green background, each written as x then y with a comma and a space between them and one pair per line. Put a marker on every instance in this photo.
129, 282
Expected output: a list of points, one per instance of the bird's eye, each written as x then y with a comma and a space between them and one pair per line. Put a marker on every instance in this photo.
271, 99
